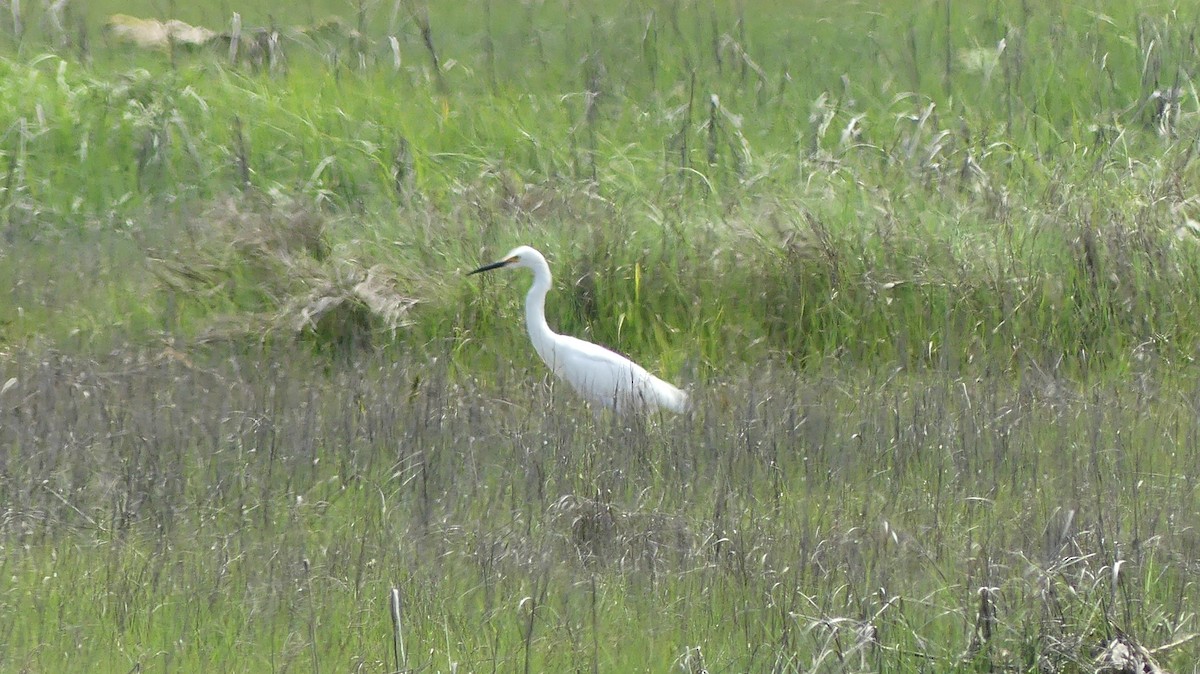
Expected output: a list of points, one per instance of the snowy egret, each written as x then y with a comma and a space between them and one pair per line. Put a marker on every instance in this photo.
596, 373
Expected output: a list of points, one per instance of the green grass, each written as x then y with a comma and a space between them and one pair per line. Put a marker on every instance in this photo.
1024, 199
931, 271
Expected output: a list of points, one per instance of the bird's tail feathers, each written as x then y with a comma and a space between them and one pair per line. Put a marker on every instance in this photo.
677, 401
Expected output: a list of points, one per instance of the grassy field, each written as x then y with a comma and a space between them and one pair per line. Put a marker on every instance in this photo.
930, 271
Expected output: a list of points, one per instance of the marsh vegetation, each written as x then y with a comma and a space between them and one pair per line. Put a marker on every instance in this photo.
931, 274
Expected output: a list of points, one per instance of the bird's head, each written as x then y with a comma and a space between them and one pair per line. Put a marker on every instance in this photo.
521, 256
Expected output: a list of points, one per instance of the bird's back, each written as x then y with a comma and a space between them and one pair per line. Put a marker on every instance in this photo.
608, 378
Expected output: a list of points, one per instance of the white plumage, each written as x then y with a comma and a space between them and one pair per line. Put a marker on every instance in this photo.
596, 373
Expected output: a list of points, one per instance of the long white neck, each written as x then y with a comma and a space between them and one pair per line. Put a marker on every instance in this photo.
535, 312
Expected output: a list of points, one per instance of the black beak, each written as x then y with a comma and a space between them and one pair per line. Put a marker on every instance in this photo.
489, 267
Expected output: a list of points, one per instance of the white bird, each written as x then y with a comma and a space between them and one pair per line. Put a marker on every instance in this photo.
596, 373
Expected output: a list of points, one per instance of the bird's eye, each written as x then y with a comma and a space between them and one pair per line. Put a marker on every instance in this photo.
514, 259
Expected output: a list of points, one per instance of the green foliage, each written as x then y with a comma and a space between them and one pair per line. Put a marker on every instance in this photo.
943, 186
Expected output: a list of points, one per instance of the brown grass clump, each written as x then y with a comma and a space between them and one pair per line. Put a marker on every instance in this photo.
155, 34
275, 266
253, 44
346, 311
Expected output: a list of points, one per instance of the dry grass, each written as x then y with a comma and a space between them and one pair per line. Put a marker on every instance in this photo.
825, 522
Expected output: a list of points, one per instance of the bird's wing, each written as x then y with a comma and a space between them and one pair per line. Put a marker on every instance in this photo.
606, 377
